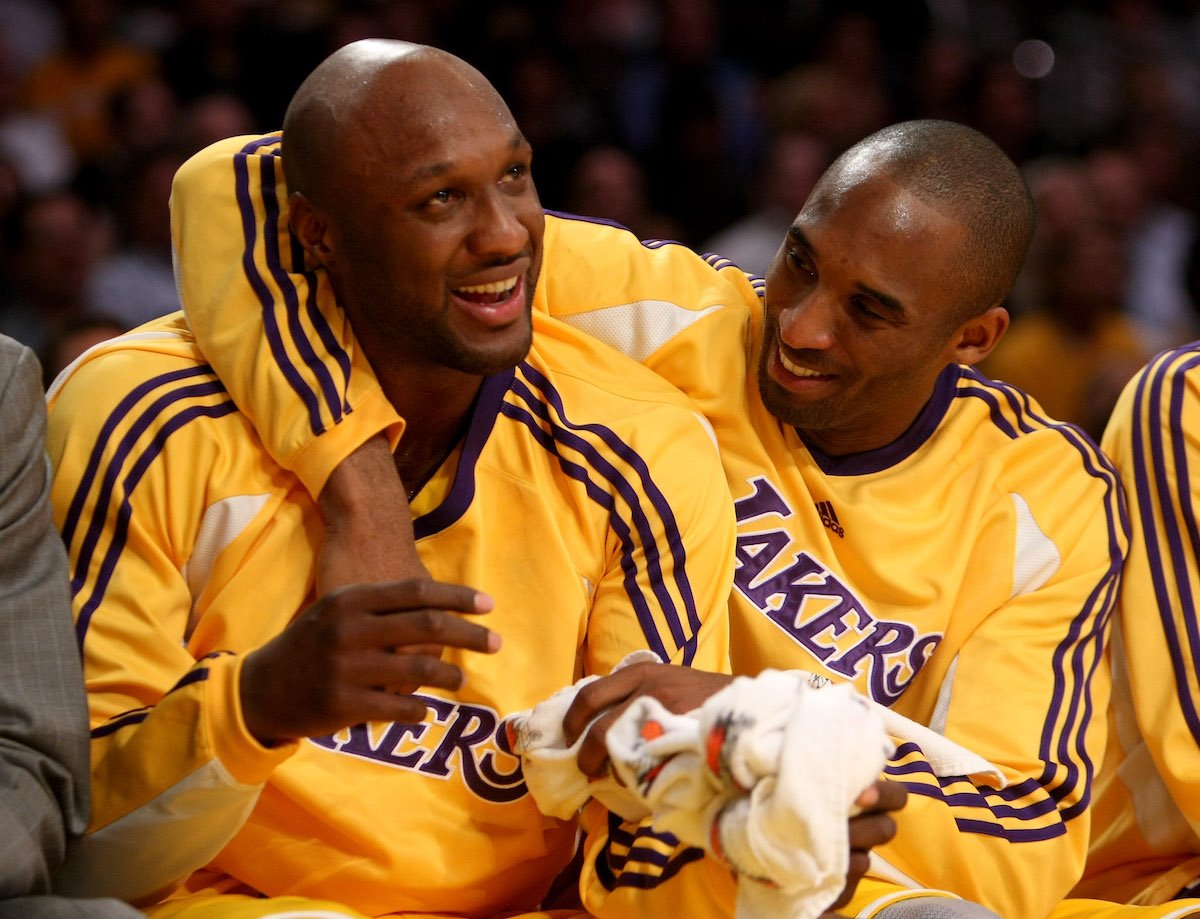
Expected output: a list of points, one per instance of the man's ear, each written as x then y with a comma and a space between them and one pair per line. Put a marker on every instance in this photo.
976, 337
310, 225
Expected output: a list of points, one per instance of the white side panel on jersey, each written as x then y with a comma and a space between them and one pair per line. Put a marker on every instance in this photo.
942, 707
220, 526
639, 328
144, 853
1036, 559
1159, 818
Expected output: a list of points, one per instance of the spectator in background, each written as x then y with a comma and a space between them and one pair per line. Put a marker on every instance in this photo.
795, 162
609, 183
76, 83
136, 282
691, 113
1076, 353
52, 243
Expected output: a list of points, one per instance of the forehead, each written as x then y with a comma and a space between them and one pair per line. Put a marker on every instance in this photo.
875, 232
414, 125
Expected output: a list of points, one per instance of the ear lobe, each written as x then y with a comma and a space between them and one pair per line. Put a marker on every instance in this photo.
976, 337
311, 227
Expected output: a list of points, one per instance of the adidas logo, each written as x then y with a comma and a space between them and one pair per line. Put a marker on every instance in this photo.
829, 517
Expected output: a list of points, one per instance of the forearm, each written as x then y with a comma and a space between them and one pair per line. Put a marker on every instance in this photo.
368, 526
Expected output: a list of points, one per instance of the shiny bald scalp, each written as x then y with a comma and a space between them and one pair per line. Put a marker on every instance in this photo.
962, 173
326, 112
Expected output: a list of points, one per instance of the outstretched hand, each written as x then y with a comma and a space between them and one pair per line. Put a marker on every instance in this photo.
358, 654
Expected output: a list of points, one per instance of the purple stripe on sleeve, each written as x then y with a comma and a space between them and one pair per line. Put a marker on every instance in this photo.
102, 439
1083, 646
124, 511
111, 727
196, 675
1153, 488
291, 298
1041, 834
332, 346
611, 869
210, 386
241, 169
602, 222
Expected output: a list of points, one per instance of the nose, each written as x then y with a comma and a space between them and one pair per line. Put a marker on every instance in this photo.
808, 323
499, 230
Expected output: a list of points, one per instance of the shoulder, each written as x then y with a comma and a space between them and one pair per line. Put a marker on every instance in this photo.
143, 385
1032, 452
586, 384
1158, 408
592, 265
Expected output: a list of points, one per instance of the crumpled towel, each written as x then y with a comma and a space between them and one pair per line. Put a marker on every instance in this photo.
763, 775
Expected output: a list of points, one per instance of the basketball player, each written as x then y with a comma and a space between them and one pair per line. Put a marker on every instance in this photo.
1146, 838
281, 742
903, 522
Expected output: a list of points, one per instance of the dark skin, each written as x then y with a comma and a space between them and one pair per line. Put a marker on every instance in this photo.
337, 664
471, 223
463, 210
680, 690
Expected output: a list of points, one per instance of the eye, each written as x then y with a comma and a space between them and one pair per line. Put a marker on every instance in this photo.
800, 262
867, 310
515, 174
443, 197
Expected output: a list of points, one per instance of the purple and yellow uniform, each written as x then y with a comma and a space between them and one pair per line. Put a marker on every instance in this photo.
1146, 840
964, 574
586, 497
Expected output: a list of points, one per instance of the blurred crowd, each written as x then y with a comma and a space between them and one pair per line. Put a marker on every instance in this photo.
704, 121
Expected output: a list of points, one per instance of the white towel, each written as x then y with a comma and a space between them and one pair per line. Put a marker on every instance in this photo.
764, 775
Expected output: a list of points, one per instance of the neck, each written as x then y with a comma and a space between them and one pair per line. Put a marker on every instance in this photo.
436, 406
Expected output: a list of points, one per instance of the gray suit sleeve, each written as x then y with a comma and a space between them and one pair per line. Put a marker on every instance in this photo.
43, 715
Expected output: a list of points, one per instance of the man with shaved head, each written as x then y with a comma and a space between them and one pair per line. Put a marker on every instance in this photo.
264, 744
904, 523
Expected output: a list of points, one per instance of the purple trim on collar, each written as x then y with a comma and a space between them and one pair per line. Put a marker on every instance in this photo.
902, 447
462, 492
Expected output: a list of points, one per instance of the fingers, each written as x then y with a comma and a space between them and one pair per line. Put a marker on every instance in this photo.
592, 758
404, 672
599, 695
883, 795
416, 616
413, 594
410, 631
870, 830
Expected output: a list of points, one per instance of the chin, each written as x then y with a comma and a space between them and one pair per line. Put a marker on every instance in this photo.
498, 356
785, 408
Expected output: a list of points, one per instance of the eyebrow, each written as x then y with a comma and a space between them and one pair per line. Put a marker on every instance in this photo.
436, 169
887, 301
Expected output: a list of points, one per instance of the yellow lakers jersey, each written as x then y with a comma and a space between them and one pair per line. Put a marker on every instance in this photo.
965, 574
591, 506
1146, 845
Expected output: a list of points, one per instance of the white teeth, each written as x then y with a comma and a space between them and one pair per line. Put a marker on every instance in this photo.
496, 287
794, 369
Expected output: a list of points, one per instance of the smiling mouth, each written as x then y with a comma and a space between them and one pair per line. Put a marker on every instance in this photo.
486, 294
795, 369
